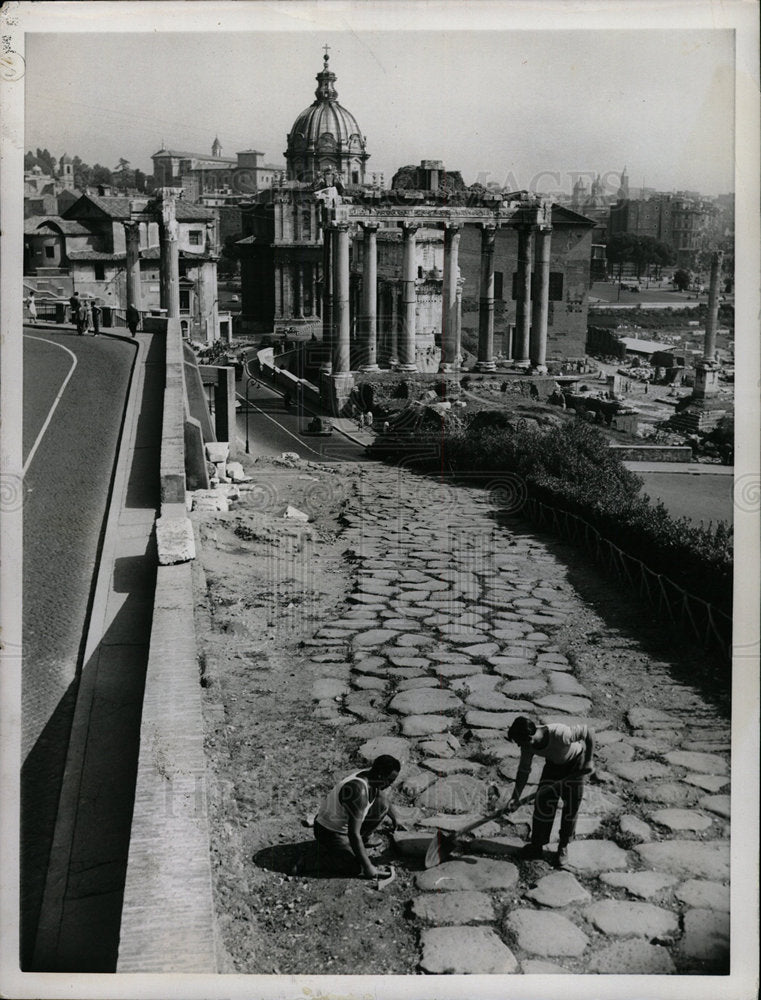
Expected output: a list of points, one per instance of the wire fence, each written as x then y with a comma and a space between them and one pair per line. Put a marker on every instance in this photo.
708, 624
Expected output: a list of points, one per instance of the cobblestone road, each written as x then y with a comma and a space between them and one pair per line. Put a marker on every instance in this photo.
450, 633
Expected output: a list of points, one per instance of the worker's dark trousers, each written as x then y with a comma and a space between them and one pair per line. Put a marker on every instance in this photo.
557, 780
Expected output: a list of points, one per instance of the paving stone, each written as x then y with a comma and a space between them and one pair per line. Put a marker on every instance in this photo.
367, 682
447, 670
452, 766
481, 683
540, 932
465, 950
425, 725
538, 967
652, 744
704, 763
454, 908
625, 917
417, 781
719, 804
460, 635
400, 624
591, 721
671, 793
642, 884
632, 958
495, 845
689, 858
410, 683
615, 753
478, 719
468, 873
595, 856
681, 819
706, 936
392, 745
607, 737
640, 770
455, 793
513, 667
495, 747
652, 718
333, 657
522, 687
482, 649
600, 802
329, 687
507, 634
374, 637
424, 701
632, 826
702, 894
566, 684
708, 782
493, 701
370, 664
558, 889
564, 703
436, 748
442, 822
414, 639
402, 658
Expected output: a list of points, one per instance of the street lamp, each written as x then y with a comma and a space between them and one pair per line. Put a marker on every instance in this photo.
249, 379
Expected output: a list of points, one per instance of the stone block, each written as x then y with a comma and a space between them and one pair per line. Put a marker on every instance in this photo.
392, 745
454, 907
632, 826
594, 856
558, 889
719, 804
632, 958
681, 819
706, 936
689, 858
468, 873
174, 540
702, 894
424, 701
455, 793
425, 725
540, 932
628, 918
703, 763
465, 950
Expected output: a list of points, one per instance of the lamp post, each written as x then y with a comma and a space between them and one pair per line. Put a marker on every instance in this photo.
249, 379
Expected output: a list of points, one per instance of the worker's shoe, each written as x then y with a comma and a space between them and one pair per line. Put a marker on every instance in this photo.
531, 852
561, 858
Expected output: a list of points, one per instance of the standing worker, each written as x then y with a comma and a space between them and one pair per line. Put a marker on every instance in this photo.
133, 318
350, 814
568, 752
95, 319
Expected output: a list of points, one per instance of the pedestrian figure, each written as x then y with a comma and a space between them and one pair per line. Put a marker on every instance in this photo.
31, 306
133, 318
96, 312
87, 316
368, 419
568, 752
74, 304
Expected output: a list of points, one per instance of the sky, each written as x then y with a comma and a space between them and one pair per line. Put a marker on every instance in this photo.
522, 108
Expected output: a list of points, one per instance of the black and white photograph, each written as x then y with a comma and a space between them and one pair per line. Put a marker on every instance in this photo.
379, 467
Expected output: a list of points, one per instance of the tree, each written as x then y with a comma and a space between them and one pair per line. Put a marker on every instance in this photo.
101, 175
140, 180
82, 173
682, 279
30, 160
47, 161
628, 248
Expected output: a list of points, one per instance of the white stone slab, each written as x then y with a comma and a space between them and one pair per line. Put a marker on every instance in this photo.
424, 701
706, 936
455, 793
625, 917
468, 873
375, 637
701, 894
392, 745
632, 826
681, 819
425, 725
632, 958
465, 950
642, 884
540, 932
703, 763
454, 765
594, 856
454, 908
640, 770
709, 860
719, 804
708, 782
558, 889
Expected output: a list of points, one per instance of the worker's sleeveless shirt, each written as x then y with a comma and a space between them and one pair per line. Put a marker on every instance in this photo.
332, 815
564, 745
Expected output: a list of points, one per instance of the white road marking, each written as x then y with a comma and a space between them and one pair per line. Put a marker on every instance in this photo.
56, 401
277, 422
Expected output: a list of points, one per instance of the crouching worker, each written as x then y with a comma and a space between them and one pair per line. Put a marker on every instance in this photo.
568, 752
348, 817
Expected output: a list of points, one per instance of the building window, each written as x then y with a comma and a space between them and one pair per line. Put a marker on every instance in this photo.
355, 177
420, 272
185, 300
50, 251
195, 237
498, 285
100, 272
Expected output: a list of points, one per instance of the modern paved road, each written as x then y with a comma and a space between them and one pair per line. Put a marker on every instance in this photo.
74, 394
274, 428
702, 497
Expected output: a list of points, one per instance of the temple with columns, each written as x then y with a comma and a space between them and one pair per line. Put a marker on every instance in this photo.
397, 277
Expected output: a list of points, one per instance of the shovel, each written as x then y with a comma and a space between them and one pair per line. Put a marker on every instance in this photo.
381, 881
442, 844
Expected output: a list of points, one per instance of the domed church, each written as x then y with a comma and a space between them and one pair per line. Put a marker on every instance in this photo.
325, 138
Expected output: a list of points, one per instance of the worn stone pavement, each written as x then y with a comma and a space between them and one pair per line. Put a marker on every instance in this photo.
451, 633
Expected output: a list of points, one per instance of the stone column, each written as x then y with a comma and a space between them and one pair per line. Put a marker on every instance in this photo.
132, 239
485, 361
709, 343
409, 299
369, 328
327, 298
287, 272
393, 359
278, 292
449, 357
541, 300
341, 346
298, 297
458, 338
523, 299
169, 232
313, 287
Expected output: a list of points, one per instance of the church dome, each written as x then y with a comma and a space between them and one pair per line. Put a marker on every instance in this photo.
326, 137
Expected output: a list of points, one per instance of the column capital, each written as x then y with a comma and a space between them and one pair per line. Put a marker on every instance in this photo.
409, 228
339, 227
452, 227
370, 226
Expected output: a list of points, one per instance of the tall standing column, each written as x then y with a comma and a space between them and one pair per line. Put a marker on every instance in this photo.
393, 359
449, 357
369, 348
341, 346
709, 344
485, 361
458, 337
409, 299
521, 356
169, 232
132, 238
313, 289
327, 298
541, 300
298, 298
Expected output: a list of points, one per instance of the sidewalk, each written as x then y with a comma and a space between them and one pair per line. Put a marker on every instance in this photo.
82, 904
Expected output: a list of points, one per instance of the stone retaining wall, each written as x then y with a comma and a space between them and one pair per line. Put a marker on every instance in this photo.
652, 452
